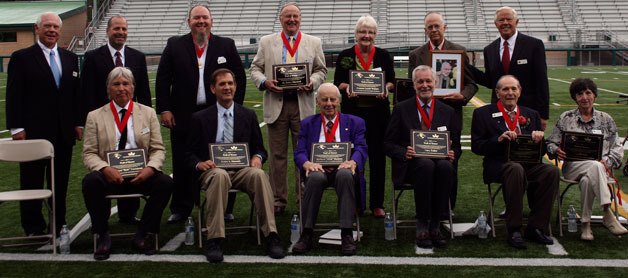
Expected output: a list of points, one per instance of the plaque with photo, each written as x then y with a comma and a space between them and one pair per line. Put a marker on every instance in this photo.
404, 89
582, 146
291, 76
367, 82
430, 143
127, 162
449, 68
524, 150
230, 156
330, 154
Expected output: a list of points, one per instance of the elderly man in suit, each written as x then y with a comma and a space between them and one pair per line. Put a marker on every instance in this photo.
182, 86
492, 127
123, 125
96, 67
285, 108
435, 28
431, 178
330, 126
43, 103
229, 122
521, 56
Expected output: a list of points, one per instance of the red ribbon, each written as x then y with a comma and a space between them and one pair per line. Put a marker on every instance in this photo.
331, 135
121, 124
512, 124
424, 118
365, 64
200, 50
286, 43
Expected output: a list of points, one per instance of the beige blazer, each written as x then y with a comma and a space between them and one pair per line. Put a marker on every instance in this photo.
269, 53
100, 136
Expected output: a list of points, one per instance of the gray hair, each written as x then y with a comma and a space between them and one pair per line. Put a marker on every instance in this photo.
506, 8
442, 18
289, 4
121, 72
499, 82
329, 86
41, 17
423, 68
365, 21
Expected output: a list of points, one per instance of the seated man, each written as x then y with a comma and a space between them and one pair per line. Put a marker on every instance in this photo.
492, 127
590, 174
229, 122
330, 126
432, 178
123, 124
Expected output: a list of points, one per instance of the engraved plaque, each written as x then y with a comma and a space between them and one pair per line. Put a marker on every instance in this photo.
291, 76
330, 154
127, 162
524, 150
582, 146
230, 156
430, 143
367, 82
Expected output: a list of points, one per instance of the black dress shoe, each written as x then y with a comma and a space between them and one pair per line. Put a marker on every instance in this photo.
348, 246
515, 240
144, 246
213, 253
438, 240
103, 247
129, 220
423, 240
273, 247
175, 218
303, 245
279, 211
538, 236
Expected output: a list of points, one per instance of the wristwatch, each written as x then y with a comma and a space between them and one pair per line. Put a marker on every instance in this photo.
551, 148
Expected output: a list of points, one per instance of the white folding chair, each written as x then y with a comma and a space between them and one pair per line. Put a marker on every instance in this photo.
25, 151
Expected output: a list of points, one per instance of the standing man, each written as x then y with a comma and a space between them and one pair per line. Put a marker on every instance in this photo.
492, 127
229, 122
431, 178
96, 66
524, 59
284, 109
43, 103
435, 28
182, 86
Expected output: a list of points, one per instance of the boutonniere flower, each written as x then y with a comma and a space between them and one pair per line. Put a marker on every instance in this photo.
347, 63
523, 122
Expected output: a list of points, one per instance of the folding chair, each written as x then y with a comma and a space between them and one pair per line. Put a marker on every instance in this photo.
25, 151
201, 214
125, 196
395, 205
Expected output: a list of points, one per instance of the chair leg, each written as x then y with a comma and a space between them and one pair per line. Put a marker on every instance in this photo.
559, 215
451, 221
394, 214
357, 223
199, 225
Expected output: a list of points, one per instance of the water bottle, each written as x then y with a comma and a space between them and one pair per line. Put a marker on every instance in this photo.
388, 227
294, 229
64, 240
482, 226
572, 226
189, 231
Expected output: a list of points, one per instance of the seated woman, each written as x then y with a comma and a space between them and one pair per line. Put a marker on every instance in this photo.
591, 174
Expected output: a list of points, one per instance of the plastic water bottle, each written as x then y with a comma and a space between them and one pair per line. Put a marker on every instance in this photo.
482, 226
572, 226
388, 227
64, 240
189, 231
294, 229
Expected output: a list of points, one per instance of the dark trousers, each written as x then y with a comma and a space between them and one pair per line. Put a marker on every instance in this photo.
344, 183
32, 175
456, 124
95, 188
432, 179
185, 191
541, 183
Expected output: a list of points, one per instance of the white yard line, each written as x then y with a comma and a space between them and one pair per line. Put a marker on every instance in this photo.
174, 243
556, 249
569, 82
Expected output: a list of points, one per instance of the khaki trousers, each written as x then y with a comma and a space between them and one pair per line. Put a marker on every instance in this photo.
593, 183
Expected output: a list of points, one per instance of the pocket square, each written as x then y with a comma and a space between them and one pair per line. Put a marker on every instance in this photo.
145, 130
222, 60
75, 74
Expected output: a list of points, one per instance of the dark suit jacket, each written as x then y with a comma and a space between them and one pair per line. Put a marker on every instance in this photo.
35, 103
96, 67
528, 65
404, 118
177, 76
486, 128
204, 125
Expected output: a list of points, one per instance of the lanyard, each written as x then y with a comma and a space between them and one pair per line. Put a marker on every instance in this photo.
512, 124
365, 64
426, 120
121, 124
286, 43
330, 136
200, 50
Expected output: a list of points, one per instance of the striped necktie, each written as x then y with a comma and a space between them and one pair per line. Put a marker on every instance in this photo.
227, 135
56, 73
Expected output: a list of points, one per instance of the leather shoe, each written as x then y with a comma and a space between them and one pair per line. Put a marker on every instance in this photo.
129, 220
103, 248
538, 236
515, 240
348, 246
587, 233
438, 240
143, 245
423, 240
303, 245
273, 246
175, 218
279, 211
611, 223
213, 253
379, 213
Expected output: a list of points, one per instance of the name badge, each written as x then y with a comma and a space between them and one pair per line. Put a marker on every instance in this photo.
75, 74
221, 60
596, 131
442, 128
497, 114
145, 130
377, 69
522, 62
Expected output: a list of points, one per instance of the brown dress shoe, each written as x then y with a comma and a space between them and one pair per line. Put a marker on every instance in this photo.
103, 248
348, 247
303, 245
438, 240
144, 246
423, 240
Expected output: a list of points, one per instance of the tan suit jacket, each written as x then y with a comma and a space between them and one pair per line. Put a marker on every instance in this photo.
100, 136
269, 53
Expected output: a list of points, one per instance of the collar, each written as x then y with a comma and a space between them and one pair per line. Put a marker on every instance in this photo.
511, 40
593, 116
440, 46
429, 104
295, 36
46, 49
221, 109
514, 110
332, 120
113, 50
118, 108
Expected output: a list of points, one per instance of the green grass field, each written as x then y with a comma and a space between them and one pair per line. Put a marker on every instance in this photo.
471, 199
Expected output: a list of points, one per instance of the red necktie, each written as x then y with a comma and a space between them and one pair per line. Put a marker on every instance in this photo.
506, 58
118, 59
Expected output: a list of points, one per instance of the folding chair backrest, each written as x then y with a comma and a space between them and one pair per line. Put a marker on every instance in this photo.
26, 150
